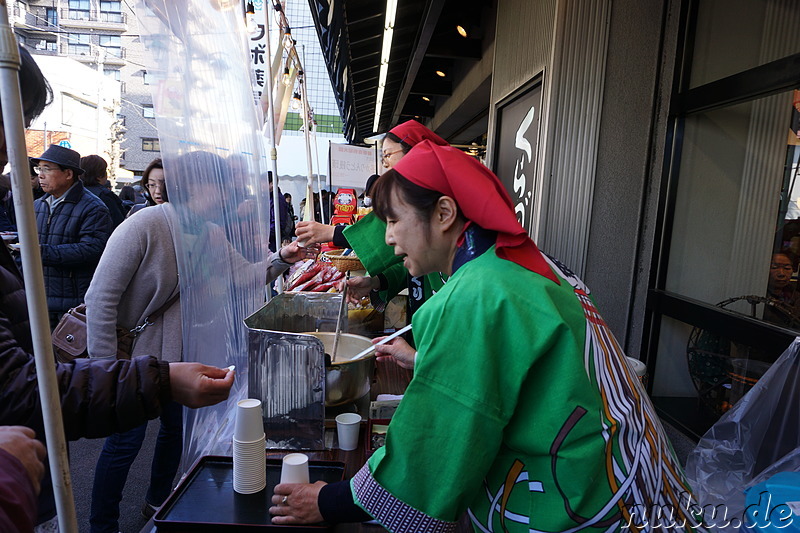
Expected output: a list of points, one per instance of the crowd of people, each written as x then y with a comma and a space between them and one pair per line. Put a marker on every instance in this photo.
92, 248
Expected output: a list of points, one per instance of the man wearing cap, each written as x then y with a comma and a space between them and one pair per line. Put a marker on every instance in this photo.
73, 226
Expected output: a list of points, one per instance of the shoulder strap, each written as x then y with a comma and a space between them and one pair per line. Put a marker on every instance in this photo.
148, 321
163, 309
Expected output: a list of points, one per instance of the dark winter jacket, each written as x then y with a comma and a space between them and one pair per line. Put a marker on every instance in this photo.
98, 397
72, 239
112, 201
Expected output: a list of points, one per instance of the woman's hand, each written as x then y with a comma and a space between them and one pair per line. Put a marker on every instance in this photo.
311, 232
358, 287
296, 503
293, 252
397, 350
197, 385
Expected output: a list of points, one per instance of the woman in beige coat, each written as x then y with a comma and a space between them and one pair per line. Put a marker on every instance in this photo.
136, 277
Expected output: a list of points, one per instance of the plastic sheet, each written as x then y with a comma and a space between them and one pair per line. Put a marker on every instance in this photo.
754, 440
214, 156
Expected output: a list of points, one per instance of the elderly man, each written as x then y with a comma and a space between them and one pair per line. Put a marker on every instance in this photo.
73, 226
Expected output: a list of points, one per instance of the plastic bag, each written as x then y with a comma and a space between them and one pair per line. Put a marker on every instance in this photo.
215, 163
757, 438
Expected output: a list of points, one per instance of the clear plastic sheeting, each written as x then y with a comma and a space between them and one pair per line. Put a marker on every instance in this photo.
758, 438
214, 158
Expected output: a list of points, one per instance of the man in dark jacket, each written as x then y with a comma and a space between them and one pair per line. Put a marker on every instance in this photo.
73, 225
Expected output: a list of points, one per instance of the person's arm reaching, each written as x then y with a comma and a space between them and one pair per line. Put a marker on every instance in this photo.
198, 385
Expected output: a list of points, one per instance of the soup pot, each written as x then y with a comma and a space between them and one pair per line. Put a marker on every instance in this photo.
345, 380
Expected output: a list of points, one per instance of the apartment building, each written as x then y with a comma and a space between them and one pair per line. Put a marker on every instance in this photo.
103, 35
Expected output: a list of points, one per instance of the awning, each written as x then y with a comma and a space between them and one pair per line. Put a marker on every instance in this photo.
425, 40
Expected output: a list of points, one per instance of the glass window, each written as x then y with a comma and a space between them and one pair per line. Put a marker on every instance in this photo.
112, 72
763, 31
147, 111
51, 16
148, 78
150, 145
112, 44
735, 166
111, 11
79, 9
707, 369
79, 44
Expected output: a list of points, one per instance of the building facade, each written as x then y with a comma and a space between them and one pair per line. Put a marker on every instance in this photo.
103, 35
661, 172
651, 146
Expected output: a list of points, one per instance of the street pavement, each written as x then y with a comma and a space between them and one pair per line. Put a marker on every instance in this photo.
83, 458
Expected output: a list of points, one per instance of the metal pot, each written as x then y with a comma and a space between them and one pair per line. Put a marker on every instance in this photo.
345, 380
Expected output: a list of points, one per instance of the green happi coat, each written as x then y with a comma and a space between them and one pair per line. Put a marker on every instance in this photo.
522, 410
368, 238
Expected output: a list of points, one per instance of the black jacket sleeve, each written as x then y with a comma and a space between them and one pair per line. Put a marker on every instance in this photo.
338, 236
335, 502
98, 397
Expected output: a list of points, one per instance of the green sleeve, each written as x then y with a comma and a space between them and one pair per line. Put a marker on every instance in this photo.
368, 238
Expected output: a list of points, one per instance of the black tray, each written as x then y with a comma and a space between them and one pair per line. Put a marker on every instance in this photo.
205, 499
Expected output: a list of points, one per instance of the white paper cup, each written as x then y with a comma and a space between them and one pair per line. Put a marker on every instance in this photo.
249, 426
295, 468
347, 427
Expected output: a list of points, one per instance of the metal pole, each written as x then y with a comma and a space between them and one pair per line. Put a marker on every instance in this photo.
14, 129
316, 151
273, 151
307, 131
100, 61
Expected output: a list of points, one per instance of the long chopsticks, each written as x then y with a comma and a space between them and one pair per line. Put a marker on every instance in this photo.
342, 308
384, 341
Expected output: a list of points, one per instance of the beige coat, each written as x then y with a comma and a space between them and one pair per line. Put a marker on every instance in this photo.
137, 274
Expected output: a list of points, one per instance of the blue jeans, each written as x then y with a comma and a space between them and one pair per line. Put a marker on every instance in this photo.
115, 461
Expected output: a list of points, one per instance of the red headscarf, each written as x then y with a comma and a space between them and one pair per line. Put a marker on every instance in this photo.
412, 133
480, 196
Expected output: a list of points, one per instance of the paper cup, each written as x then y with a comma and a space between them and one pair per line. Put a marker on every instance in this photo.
295, 468
347, 426
249, 426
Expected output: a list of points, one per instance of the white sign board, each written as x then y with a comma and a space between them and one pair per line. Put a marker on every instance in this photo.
350, 166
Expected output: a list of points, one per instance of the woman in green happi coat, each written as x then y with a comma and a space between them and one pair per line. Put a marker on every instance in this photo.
523, 411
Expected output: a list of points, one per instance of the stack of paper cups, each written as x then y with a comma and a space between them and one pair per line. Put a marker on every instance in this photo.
249, 455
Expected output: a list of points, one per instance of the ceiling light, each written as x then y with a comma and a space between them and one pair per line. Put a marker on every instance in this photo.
386, 49
426, 98
462, 31
440, 74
